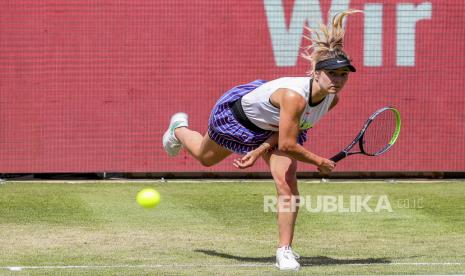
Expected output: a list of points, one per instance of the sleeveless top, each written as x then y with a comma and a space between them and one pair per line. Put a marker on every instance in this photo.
259, 110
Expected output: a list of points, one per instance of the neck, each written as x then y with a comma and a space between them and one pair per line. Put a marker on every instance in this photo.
318, 93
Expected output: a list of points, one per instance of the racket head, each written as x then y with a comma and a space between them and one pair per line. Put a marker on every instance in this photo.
380, 131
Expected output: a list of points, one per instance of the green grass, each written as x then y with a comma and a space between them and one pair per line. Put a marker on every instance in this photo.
220, 228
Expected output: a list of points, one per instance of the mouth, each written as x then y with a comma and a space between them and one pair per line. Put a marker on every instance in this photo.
335, 89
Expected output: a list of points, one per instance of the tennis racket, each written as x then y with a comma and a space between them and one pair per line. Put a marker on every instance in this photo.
377, 136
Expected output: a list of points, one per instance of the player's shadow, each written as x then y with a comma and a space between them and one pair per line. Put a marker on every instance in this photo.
304, 261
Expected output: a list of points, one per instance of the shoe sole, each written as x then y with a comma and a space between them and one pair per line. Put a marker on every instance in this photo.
293, 269
179, 115
174, 118
167, 133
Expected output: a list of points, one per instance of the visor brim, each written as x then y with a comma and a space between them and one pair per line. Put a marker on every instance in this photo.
337, 66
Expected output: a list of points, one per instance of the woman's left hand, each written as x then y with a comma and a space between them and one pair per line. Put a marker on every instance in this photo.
246, 161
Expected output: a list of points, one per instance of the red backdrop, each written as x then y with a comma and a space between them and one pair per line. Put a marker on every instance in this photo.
89, 86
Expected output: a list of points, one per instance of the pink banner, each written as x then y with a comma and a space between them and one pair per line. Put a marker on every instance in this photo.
89, 86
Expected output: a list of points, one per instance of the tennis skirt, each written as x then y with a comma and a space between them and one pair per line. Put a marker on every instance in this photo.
226, 131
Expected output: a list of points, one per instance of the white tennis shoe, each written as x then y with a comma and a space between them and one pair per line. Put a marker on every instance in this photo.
171, 144
286, 259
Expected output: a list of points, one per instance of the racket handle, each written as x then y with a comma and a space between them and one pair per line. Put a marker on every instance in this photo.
339, 156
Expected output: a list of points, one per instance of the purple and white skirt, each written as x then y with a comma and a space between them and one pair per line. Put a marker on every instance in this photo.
226, 131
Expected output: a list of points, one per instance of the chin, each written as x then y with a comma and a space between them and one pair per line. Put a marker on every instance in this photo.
334, 90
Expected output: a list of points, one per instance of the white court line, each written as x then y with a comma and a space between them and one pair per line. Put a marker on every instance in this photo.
19, 268
413, 264
202, 180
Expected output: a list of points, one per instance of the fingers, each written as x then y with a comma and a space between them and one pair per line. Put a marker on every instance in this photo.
324, 172
330, 164
245, 158
241, 164
327, 167
245, 161
237, 163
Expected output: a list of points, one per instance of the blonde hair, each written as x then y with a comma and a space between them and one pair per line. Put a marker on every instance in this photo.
328, 42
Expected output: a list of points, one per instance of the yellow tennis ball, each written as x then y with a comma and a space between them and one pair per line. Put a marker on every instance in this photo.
148, 198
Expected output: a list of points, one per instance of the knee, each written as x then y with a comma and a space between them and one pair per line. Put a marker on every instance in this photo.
207, 162
286, 185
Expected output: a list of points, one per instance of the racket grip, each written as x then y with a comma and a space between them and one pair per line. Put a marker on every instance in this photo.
338, 156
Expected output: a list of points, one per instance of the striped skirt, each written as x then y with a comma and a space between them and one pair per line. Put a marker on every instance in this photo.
226, 131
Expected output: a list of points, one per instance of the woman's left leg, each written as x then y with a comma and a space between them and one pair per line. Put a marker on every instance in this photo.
202, 148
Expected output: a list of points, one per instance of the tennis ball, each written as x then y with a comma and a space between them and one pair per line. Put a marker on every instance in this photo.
148, 198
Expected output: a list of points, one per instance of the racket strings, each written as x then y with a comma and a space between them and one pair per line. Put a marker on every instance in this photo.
379, 133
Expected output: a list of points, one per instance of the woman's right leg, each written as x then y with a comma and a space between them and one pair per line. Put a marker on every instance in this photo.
202, 148
284, 169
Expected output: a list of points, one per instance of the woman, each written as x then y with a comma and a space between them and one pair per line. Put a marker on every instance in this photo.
253, 118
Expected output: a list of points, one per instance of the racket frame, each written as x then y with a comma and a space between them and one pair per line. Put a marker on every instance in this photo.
359, 138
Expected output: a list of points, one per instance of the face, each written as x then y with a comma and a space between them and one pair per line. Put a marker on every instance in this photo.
332, 81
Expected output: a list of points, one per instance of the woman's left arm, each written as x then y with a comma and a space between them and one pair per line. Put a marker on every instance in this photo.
249, 159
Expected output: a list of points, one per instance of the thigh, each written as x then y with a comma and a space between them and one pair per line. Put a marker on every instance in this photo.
284, 171
211, 152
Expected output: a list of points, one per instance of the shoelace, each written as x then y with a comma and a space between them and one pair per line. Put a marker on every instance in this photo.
296, 256
290, 252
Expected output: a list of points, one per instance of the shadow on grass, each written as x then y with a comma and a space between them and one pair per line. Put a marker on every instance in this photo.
304, 261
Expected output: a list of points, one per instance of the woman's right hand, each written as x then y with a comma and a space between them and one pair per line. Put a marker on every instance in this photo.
326, 166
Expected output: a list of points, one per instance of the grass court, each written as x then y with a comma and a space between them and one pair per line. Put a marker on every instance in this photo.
207, 227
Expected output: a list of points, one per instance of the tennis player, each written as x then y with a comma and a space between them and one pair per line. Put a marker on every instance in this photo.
254, 118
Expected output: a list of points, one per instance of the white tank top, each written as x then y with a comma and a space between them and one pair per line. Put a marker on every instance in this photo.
258, 108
